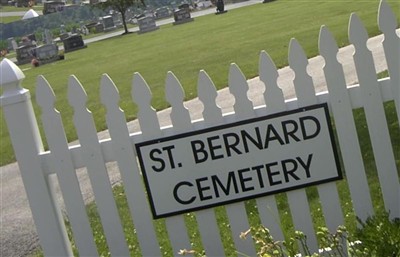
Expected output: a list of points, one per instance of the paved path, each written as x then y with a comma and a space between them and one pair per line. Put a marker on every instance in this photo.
17, 232
171, 20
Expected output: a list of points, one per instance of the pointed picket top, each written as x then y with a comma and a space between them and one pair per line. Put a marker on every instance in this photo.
208, 94
77, 96
141, 93
45, 96
386, 19
273, 94
142, 96
358, 35
303, 82
109, 94
297, 56
391, 45
173, 89
327, 44
175, 96
238, 87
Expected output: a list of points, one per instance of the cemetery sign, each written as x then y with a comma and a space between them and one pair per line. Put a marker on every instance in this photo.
239, 161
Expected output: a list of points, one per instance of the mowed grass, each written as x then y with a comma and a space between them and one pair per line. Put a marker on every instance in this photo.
9, 8
10, 19
211, 43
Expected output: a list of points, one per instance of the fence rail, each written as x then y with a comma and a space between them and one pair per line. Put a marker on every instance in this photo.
37, 166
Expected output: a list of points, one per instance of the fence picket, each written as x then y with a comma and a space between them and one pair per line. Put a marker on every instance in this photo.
132, 181
141, 95
375, 116
150, 127
267, 207
208, 94
175, 95
179, 116
346, 130
91, 151
298, 201
65, 171
269, 75
303, 83
391, 45
206, 219
243, 108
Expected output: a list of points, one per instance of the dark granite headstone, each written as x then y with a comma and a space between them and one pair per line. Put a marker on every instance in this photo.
220, 7
25, 54
182, 16
73, 42
162, 12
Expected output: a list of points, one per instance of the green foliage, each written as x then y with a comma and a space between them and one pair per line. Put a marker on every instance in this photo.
3, 44
380, 234
55, 32
121, 6
334, 244
74, 14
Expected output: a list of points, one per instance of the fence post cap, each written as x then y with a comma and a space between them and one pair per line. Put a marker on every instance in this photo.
10, 72
10, 82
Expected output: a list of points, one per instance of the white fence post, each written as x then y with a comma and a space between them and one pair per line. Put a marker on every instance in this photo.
27, 143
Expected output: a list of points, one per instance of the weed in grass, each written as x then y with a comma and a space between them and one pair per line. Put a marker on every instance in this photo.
331, 244
379, 236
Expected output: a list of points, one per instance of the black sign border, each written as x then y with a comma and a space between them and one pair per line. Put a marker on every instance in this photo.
234, 124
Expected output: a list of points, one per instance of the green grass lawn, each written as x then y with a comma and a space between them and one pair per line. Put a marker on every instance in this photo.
8, 8
10, 19
211, 42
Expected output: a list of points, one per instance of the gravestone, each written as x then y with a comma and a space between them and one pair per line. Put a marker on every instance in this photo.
147, 24
46, 53
108, 23
63, 36
99, 27
162, 12
73, 42
182, 16
117, 18
220, 7
12, 44
48, 38
25, 54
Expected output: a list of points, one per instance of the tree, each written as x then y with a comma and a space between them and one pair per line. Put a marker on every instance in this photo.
120, 6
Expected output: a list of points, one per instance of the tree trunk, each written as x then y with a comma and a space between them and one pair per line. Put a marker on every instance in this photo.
124, 23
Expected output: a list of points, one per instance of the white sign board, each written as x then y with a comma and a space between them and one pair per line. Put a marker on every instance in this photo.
239, 161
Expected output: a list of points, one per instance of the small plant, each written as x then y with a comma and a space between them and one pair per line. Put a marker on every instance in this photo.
380, 234
331, 244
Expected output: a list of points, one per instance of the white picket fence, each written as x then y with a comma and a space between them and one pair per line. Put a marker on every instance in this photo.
37, 165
